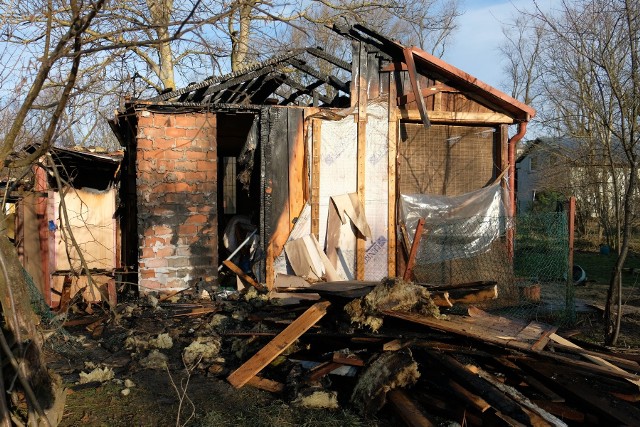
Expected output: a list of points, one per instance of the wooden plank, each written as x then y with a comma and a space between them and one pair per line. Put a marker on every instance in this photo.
473, 399
392, 164
65, 297
532, 382
350, 360
408, 272
321, 370
496, 398
407, 409
595, 359
415, 86
278, 344
492, 329
561, 410
579, 388
266, 384
362, 152
516, 396
243, 276
457, 117
315, 177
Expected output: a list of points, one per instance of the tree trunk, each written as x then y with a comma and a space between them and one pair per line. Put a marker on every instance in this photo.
612, 325
20, 333
160, 11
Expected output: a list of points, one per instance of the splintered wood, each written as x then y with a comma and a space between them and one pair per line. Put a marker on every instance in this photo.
262, 358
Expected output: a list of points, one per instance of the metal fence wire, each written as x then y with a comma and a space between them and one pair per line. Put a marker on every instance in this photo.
532, 285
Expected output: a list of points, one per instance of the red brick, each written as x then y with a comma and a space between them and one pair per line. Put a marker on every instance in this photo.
145, 166
203, 165
156, 262
153, 133
148, 285
193, 133
174, 132
196, 219
185, 121
172, 155
185, 230
145, 144
182, 143
153, 241
194, 155
165, 252
144, 121
195, 176
147, 274
183, 186
163, 120
161, 230
147, 253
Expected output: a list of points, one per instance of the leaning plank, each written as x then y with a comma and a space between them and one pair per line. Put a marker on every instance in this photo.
278, 344
407, 409
595, 359
242, 275
321, 370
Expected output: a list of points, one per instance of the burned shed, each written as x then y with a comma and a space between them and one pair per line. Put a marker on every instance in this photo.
55, 211
310, 159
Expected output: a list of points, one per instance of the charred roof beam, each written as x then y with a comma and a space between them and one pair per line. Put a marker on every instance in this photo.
319, 53
328, 79
305, 90
310, 89
237, 80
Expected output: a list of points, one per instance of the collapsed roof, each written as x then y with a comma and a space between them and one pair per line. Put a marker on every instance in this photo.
299, 77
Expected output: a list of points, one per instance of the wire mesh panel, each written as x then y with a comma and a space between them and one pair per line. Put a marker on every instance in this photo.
531, 285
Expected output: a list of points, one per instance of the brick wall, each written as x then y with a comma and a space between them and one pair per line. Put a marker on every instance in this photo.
176, 192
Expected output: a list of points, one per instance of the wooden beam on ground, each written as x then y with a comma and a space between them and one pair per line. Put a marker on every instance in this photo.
243, 276
266, 384
618, 411
516, 396
278, 344
595, 359
473, 399
407, 409
472, 296
458, 117
321, 370
411, 262
350, 360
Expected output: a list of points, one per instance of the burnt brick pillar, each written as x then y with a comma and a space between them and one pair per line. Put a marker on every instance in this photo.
176, 188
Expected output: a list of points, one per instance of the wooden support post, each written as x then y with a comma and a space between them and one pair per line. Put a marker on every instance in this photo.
278, 344
392, 160
316, 130
408, 272
415, 86
362, 152
571, 214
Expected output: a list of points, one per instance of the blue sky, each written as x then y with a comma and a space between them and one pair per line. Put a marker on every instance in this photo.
474, 48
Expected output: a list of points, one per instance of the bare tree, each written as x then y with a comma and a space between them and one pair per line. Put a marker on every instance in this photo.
588, 55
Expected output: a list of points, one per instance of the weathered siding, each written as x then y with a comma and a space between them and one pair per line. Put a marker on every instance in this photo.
176, 194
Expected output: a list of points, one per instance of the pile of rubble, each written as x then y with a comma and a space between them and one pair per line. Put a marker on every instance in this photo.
368, 346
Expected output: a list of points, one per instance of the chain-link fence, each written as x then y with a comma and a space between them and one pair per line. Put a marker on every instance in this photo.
531, 285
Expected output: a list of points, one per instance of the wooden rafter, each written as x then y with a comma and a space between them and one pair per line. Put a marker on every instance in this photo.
331, 80
319, 53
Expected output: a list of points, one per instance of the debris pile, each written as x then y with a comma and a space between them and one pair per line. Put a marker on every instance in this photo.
395, 356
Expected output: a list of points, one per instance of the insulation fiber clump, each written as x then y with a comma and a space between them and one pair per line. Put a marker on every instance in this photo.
391, 294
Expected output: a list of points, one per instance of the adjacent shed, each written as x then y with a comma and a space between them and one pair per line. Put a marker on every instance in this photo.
305, 144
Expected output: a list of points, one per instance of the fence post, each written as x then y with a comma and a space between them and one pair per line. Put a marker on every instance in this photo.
571, 214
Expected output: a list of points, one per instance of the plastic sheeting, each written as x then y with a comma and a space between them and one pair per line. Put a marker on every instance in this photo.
456, 226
